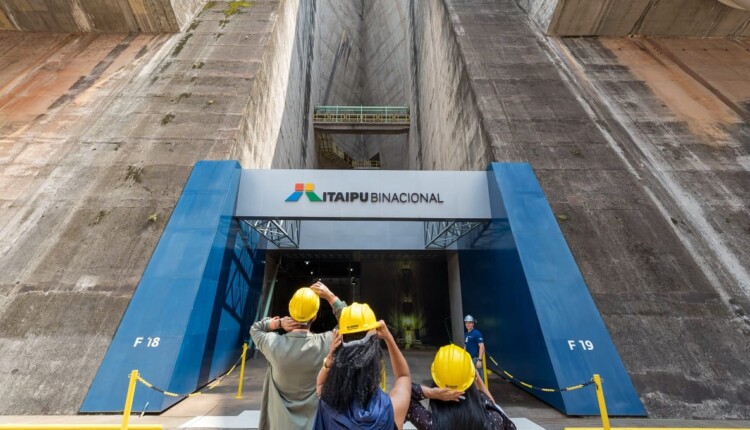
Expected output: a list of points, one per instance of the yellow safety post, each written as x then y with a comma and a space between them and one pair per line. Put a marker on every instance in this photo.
242, 371
382, 377
484, 370
129, 399
122, 426
602, 404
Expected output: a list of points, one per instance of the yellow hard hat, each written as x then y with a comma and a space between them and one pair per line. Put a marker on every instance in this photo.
304, 305
356, 318
453, 368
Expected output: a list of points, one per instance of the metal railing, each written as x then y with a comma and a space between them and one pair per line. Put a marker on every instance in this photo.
361, 115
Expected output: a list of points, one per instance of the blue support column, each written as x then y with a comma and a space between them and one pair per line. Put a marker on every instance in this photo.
535, 311
189, 316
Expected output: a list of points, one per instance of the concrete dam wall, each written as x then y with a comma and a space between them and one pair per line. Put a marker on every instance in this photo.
641, 145
83, 16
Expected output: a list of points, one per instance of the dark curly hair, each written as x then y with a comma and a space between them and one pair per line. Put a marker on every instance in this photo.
468, 414
354, 375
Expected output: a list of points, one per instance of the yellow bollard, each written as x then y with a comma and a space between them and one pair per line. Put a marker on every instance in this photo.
129, 399
382, 378
484, 369
602, 404
242, 371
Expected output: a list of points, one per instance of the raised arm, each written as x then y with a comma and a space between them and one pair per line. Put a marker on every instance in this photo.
327, 362
481, 387
262, 332
336, 304
401, 392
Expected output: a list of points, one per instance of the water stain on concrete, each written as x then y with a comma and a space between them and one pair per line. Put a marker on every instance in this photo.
691, 102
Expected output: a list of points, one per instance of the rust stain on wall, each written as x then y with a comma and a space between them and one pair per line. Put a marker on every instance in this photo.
691, 102
41, 72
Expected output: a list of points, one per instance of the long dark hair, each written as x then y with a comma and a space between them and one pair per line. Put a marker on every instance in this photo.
354, 375
468, 414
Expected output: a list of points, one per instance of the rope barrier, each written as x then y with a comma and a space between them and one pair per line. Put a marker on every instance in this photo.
510, 378
208, 387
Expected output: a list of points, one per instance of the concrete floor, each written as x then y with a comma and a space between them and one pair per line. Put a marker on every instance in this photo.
528, 412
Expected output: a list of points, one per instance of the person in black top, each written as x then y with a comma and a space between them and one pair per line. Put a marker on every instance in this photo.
460, 398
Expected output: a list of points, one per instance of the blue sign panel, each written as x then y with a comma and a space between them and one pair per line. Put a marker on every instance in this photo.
190, 313
539, 322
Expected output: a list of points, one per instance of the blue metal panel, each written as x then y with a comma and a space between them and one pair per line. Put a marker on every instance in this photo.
520, 280
197, 297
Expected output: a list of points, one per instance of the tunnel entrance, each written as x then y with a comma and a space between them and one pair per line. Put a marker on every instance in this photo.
417, 246
408, 290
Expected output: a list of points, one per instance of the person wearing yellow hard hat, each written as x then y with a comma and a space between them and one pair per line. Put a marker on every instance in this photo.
459, 399
289, 400
349, 381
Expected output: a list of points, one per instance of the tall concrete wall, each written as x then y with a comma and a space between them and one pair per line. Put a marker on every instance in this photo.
540, 11
323, 67
698, 18
641, 149
678, 112
99, 134
337, 71
447, 132
271, 122
119, 16
387, 80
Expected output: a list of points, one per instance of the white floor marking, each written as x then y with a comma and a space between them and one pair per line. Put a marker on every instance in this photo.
245, 420
526, 424
249, 420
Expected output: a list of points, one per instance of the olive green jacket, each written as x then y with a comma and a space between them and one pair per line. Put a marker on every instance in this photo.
289, 401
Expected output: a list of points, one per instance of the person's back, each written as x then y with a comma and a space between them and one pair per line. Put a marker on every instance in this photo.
289, 401
460, 399
376, 415
295, 359
349, 382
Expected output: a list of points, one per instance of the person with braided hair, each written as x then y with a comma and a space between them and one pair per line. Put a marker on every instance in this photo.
349, 381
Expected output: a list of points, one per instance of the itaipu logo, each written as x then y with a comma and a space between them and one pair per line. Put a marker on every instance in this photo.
356, 196
308, 189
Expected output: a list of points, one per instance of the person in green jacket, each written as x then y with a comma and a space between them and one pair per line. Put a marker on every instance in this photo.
294, 359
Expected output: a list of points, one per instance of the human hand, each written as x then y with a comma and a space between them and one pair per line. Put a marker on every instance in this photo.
289, 324
444, 394
479, 363
322, 291
335, 342
382, 331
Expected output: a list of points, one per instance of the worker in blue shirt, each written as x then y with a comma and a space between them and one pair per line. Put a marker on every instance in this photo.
474, 341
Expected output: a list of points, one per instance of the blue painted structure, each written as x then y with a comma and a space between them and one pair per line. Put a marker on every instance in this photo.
520, 280
197, 296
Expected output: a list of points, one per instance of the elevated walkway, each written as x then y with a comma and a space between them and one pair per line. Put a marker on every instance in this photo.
362, 119
330, 120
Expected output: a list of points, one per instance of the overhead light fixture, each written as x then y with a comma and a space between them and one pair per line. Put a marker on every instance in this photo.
311, 272
737, 4
307, 262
